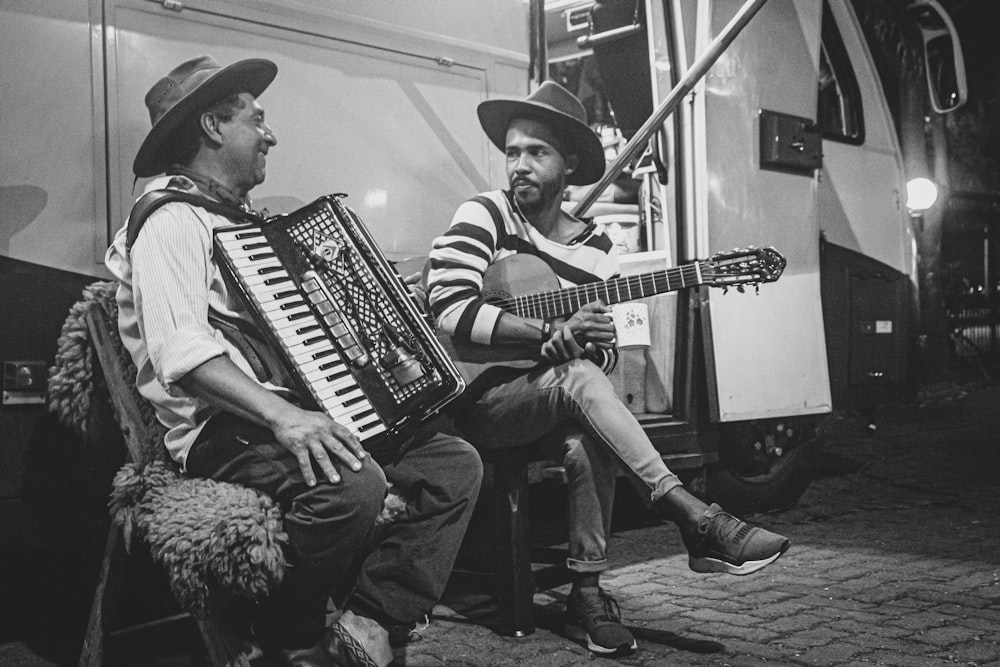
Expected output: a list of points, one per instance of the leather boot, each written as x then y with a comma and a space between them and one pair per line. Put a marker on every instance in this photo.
358, 641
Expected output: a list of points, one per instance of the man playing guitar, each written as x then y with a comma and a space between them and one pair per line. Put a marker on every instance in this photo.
563, 391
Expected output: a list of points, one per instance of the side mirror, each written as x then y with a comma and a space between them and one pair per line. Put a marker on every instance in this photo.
943, 60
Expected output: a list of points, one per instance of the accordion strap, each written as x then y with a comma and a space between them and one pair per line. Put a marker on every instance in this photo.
240, 333
247, 339
154, 199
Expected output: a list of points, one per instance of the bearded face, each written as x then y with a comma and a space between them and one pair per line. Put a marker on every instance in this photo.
536, 168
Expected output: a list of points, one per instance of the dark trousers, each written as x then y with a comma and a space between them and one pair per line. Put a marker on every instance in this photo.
395, 574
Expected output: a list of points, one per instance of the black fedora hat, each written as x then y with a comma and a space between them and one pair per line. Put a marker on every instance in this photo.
559, 108
189, 88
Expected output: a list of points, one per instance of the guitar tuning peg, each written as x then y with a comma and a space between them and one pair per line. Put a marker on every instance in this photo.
725, 290
740, 289
756, 289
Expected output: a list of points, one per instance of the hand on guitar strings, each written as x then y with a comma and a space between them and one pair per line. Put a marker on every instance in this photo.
588, 330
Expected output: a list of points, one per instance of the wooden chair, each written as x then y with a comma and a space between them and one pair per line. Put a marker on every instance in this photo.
148, 484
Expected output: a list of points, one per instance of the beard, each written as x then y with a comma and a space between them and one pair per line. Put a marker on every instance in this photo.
530, 202
539, 198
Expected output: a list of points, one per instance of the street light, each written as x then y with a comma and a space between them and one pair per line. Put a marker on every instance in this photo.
921, 193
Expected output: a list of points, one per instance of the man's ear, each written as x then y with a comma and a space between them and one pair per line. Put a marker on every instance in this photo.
210, 126
572, 162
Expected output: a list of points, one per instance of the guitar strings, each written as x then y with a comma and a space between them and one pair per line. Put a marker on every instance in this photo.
765, 265
561, 302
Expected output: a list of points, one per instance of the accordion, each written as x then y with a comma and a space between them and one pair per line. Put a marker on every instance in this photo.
340, 318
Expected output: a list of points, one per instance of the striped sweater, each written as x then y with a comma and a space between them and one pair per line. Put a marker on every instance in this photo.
488, 228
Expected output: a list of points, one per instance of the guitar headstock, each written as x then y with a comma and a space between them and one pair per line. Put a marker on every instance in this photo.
736, 268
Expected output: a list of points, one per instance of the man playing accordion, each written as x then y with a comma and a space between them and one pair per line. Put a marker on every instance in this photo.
209, 138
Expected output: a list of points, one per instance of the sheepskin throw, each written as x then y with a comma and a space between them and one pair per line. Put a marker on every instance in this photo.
205, 533
70, 377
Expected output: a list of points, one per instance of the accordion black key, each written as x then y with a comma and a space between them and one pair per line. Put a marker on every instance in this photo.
340, 318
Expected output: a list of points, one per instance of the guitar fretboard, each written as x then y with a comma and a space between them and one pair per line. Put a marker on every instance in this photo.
564, 302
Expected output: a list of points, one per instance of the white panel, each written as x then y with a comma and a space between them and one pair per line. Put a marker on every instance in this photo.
767, 352
47, 181
397, 133
768, 360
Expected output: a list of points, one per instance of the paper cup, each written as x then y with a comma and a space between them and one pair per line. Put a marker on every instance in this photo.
631, 324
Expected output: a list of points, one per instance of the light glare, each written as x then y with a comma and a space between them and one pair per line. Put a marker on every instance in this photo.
921, 193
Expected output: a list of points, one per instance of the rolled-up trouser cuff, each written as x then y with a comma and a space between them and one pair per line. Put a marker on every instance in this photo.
586, 565
665, 486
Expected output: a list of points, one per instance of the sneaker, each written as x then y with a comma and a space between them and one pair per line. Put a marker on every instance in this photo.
599, 615
723, 543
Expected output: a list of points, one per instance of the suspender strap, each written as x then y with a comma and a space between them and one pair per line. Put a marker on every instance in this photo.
154, 199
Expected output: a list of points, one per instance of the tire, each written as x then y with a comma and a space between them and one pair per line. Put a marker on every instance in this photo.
763, 465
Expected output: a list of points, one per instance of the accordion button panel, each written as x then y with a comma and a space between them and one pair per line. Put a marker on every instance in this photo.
347, 339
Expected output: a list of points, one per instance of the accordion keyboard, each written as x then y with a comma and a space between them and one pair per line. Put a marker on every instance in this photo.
284, 309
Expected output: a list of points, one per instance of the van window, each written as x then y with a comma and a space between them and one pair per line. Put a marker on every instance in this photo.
838, 108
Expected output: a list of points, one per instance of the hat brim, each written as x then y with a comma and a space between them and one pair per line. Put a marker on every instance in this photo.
253, 76
495, 117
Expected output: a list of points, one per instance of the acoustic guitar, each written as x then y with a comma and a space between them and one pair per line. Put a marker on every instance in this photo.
525, 286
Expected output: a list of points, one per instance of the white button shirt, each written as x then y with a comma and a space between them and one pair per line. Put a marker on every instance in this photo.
166, 289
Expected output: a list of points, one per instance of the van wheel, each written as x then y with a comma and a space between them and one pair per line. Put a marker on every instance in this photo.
763, 464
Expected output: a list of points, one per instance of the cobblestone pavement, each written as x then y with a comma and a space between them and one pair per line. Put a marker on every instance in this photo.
895, 560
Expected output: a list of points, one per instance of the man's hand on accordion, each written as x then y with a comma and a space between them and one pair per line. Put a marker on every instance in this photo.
309, 435
314, 436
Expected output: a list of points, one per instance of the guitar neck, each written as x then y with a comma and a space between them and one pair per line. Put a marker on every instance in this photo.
565, 302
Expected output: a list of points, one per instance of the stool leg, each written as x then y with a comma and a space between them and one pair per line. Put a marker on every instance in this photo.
105, 599
514, 578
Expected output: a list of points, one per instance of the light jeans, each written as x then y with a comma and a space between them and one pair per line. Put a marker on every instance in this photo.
577, 401
590, 484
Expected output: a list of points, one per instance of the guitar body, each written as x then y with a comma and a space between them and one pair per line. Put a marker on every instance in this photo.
517, 275
513, 276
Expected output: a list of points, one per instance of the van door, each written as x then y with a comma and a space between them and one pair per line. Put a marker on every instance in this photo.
765, 351
862, 186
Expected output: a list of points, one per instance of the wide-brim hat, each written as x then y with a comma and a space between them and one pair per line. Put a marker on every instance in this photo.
554, 105
189, 88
